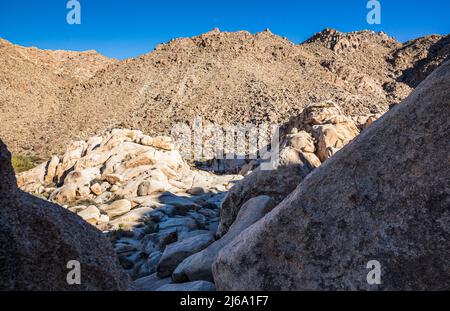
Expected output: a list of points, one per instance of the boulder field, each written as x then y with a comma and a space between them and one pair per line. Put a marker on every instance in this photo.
384, 197
345, 191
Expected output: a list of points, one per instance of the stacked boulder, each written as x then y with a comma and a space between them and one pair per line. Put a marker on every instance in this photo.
308, 140
154, 208
106, 178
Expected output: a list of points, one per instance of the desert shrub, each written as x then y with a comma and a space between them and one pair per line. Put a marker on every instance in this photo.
115, 235
24, 163
150, 227
85, 202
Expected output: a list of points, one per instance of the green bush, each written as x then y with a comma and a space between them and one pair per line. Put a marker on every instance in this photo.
24, 163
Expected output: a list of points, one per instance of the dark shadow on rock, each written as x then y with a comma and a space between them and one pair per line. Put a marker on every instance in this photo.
39, 238
438, 53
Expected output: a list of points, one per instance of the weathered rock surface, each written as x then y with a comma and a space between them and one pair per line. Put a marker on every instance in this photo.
91, 214
308, 139
39, 239
150, 283
384, 197
117, 208
119, 172
276, 183
175, 253
199, 265
201, 286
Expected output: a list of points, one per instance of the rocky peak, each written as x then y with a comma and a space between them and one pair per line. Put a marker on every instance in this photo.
341, 42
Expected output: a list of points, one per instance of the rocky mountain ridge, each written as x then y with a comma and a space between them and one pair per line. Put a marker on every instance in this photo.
224, 77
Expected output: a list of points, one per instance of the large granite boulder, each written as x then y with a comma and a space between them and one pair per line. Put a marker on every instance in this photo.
39, 238
384, 197
288, 172
199, 265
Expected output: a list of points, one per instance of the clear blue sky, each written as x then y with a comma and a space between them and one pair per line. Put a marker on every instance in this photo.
125, 28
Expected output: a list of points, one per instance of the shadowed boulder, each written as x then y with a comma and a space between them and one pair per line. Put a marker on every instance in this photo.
385, 197
39, 238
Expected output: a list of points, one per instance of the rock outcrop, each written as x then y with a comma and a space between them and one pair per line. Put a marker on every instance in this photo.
155, 209
277, 183
384, 197
106, 178
39, 239
309, 139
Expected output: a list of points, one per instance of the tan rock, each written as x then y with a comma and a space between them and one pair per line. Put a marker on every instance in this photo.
92, 143
150, 186
38, 239
114, 188
82, 177
76, 209
83, 192
31, 180
51, 170
319, 113
65, 194
146, 140
131, 219
117, 208
276, 183
91, 214
93, 159
301, 141
178, 184
384, 197
311, 159
104, 219
72, 155
96, 189
113, 178
163, 142
332, 137
111, 164
146, 158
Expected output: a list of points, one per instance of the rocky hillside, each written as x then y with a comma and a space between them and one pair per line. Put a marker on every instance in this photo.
225, 77
33, 86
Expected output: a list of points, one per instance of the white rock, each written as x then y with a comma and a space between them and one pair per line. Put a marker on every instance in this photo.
91, 214
117, 208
